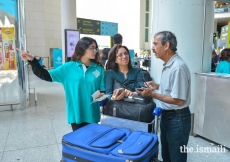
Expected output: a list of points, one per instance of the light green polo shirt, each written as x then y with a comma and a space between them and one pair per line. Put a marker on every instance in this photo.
79, 84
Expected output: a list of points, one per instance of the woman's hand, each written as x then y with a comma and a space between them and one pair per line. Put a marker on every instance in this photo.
128, 93
125, 93
117, 96
101, 94
25, 55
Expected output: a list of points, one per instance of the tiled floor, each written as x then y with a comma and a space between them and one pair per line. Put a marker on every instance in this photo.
34, 134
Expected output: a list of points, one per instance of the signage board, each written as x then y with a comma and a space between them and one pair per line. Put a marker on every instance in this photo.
71, 39
224, 36
221, 10
109, 28
96, 27
131, 53
57, 57
87, 26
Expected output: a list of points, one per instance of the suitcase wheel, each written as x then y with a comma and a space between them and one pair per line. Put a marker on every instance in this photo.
155, 159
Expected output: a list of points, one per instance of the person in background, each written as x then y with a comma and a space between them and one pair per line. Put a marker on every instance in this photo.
117, 40
119, 68
80, 77
174, 96
224, 64
104, 55
215, 61
136, 60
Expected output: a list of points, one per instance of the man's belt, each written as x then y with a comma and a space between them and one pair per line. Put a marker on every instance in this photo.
178, 111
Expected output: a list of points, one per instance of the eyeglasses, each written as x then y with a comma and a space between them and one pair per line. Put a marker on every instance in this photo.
122, 54
94, 49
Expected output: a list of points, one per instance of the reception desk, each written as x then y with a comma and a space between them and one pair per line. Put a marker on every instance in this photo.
212, 107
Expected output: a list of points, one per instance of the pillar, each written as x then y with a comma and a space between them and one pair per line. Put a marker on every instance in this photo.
192, 23
68, 20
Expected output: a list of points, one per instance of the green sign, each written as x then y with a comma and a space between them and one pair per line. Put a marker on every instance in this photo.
87, 26
224, 38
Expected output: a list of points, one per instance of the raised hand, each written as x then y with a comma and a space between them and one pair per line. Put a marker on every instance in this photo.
25, 55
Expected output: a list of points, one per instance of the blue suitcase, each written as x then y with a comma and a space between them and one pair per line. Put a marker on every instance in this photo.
101, 143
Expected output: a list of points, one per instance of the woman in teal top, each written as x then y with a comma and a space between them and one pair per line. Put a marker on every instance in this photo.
80, 77
224, 64
119, 68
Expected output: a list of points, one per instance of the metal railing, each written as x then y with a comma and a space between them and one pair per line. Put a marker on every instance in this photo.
9, 104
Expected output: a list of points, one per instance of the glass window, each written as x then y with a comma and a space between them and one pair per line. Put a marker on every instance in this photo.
147, 5
147, 20
146, 35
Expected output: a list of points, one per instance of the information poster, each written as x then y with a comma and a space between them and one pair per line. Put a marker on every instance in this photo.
71, 39
1, 52
131, 53
8, 46
57, 57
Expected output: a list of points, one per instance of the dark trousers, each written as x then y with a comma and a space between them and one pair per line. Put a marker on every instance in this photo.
76, 126
175, 129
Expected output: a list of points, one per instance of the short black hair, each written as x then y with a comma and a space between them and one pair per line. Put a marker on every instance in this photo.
117, 39
105, 53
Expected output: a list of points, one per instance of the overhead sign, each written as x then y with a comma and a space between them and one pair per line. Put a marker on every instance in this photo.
224, 36
109, 28
87, 26
221, 10
96, 27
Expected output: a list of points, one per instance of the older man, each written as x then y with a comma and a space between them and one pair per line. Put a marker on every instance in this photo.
174, 96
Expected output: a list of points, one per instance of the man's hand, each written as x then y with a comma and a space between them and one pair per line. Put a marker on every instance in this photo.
145, 92
25, 55
152, 85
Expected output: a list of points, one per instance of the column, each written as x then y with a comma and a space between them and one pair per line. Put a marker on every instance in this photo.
192, 22
68, 20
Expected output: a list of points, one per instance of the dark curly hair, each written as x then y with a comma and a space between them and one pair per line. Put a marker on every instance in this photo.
225, 54
80, 48
111, 64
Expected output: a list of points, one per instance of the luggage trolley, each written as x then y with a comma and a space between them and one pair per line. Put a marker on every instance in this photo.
118, 124
152, 127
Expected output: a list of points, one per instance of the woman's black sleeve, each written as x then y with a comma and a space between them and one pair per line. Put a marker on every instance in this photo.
39, 71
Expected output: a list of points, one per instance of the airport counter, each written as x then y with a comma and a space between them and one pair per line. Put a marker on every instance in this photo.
212, 107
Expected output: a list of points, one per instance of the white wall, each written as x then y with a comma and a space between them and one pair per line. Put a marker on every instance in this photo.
43, 26
124, 12
142, 24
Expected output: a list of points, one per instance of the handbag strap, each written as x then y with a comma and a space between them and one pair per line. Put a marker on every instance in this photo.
126, 82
